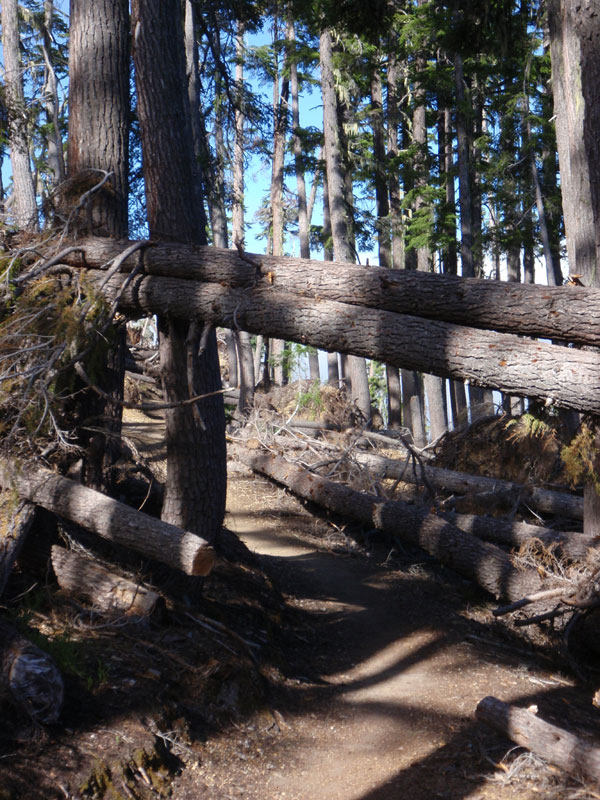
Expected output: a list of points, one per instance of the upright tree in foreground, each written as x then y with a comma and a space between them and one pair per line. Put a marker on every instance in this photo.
195, 435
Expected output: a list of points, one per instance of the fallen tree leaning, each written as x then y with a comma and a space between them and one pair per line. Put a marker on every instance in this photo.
480, 561
556, 745
110, 519
559, 503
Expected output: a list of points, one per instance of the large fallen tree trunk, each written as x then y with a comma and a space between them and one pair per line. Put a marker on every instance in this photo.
515, 365
565, 313
558, 503
483, 562
110, 519
105, 591
556, 745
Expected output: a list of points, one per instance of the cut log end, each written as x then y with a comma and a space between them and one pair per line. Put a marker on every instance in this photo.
196, 560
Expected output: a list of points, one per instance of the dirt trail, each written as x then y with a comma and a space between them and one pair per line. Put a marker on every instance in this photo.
388, 674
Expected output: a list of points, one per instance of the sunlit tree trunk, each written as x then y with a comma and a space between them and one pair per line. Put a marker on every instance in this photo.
24, 210
195, 440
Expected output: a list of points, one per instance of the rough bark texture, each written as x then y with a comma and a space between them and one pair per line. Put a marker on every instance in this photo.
110, 519
88, 581
29, 676
556, 745
99, 105
559, 503
512, 364
15, 523
559, 313
196, 460
489, 566
24, 206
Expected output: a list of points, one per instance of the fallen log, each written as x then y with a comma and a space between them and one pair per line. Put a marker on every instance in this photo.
560, 313
110, 519
515, 365
16, 519
480, 561
94, 584
572, 753
29, 677
558, 503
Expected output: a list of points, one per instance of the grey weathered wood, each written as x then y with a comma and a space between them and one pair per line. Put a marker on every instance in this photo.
110, 519
558, 503
563, 313
105, 591
572, 753
483, 562
16, 519
515, 365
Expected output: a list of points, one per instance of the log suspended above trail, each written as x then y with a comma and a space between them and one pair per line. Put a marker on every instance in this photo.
574, 754
565, 313
512, 364
548, 502
488, 565
110, 519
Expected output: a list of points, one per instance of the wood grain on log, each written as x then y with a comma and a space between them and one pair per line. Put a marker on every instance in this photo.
556, 745
94, 584
483, 562
110, 519
563, 313
515, 365
558, 503
16, 519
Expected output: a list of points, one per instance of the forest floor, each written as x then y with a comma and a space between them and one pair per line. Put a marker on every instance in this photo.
337, 667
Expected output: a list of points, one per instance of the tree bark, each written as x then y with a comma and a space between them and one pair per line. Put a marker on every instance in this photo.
480, 561
16, 522
529, 368
574, 754
559, 503
88, 581
30, 677
196, 460
561, 313
465, 195
110, 519
24, 205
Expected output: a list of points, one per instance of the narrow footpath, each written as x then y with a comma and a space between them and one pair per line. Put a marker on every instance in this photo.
393, 657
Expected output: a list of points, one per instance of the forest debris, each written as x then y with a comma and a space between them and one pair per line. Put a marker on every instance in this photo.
110, 519
104, 591
16, 521
30, 676
485, 563
572, 753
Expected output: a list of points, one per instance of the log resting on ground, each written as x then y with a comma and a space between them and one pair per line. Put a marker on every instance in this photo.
528, 368
557, 503
480, 561
89, 581
564, 313
556, 745
110, 519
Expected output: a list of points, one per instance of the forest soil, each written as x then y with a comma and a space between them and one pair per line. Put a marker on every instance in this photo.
388, 666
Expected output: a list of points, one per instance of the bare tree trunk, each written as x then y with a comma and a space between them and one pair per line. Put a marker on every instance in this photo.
56, 160
340, 224
333, 372
465, 195
24, 205
196, 458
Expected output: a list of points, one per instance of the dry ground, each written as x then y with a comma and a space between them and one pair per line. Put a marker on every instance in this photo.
372, 661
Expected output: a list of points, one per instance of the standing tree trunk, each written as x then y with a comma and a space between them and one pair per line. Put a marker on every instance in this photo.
56, 162
245, 356
575, 53
23, 205
196, 456
98, 144
340, 224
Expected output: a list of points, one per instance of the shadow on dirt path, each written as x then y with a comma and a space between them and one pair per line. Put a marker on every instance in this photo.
386, 670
